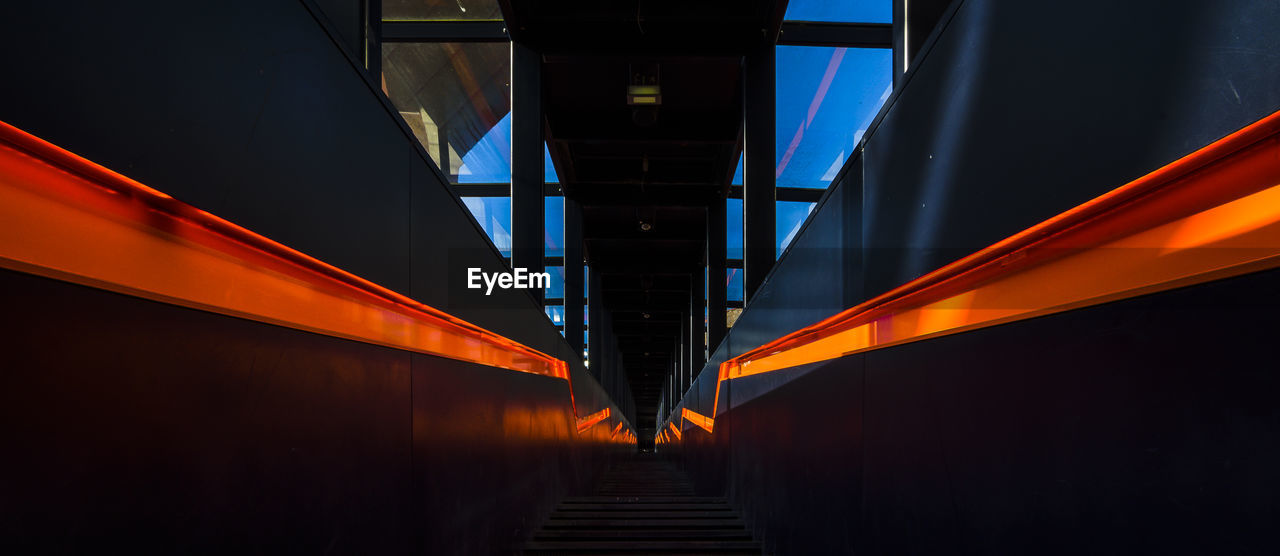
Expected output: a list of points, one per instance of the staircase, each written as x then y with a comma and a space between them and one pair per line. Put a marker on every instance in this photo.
643, 506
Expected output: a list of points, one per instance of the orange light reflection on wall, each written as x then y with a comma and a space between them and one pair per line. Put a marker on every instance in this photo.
1212, 214
589, 421
64, 217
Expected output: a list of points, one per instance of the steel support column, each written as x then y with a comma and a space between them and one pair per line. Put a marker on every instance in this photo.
527, 226
697, 324
759, 212
716, 287
573, 279
596, 329
373, 39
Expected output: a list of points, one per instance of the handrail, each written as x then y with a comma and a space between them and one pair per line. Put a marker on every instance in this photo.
65, 217
1209, 215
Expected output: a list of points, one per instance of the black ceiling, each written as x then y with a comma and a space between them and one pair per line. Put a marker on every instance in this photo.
644, 187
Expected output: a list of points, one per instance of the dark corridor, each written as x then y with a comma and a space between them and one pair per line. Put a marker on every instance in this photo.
767, 277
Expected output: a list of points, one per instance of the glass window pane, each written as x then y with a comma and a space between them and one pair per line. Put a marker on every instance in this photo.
556, 291
737, 173
731, 316
548, 167
733, 280
790, 217
440, 10
494, 215
556, 314
826, 98
848, 11
457, 100
553, 221
733, 218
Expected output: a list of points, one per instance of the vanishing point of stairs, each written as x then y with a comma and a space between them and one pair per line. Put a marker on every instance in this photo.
643, 506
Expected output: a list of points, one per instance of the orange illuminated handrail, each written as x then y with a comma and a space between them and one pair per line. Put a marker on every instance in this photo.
1209, 215
589, 421
65, 217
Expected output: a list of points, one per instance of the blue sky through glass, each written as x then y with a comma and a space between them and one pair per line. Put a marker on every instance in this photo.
733, 222
790, 216
556, 291
733, 279
847, 11
556, 314
494, 215
489, 161
826, 98
553, 224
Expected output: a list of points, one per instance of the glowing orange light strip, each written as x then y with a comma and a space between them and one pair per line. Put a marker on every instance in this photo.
587, 422
1212, 214
64, 217
701, 421
616, 430
675, 431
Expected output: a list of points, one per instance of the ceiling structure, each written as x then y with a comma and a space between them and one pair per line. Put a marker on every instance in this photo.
644, 176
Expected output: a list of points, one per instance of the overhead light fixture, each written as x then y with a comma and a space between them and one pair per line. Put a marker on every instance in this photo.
644, 94
644, 89
645, 226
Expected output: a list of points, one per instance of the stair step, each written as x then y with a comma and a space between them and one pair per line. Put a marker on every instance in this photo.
632, 547
643, 534
652, 507
643, 507
617, 514
643, 500
644, 523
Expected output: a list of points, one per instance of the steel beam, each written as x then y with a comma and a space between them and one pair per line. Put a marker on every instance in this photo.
527, 198
759, 138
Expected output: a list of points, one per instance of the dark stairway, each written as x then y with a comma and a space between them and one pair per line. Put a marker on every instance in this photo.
643, 506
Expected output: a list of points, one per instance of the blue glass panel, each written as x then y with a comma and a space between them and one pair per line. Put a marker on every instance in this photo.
733, 217
557, 282
737, 174
489, 160
553, 221
848, 11
826, 98
555, 313
494, 215
733, 281
790, 216
548, 167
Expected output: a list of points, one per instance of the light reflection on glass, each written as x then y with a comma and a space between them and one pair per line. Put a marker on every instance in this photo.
790, 217
845, 11
440, 10
494, 216
826, 98
456, 98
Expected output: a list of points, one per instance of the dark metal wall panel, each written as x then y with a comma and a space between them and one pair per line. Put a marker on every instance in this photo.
246, 109
254, 112
1137, 421
347, 19
1141, 426
1003, 124
1021, 110
819, 469
137, 426
808, 283
134, 426
475, 428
